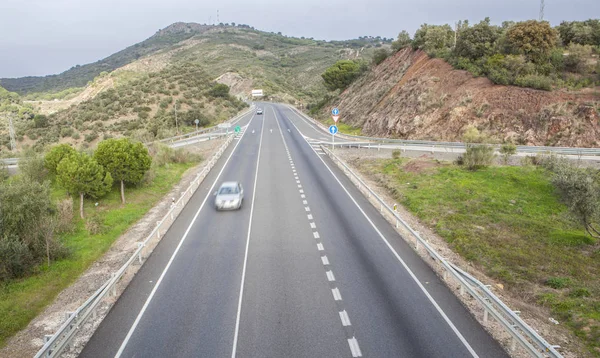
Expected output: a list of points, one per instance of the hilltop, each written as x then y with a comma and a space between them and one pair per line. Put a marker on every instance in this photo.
137, 91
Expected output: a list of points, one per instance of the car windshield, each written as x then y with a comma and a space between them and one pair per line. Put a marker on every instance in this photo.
228, 190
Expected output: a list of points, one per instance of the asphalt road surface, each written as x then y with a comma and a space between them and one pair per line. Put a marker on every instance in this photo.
306, 268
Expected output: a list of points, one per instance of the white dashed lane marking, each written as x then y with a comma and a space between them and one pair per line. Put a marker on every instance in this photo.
337, 296
345, 319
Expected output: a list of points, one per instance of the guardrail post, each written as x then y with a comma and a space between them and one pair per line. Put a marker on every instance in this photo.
462, 290
485, 315
513, 343
47, 338
113, 289
158, 229
140, 245
380, 208
378, 147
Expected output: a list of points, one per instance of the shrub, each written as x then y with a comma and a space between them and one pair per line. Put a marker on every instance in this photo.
380, 55
558, 282
507, 150
342, 74
535, 81
15, 258
577, 60
66, 132
396, 154
478, 156
64, 215
91, 136
219, 90
94, 224
33, 167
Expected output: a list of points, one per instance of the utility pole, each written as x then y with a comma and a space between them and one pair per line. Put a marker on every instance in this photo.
218, 17
11, 132
541, 10
176, 123
455, 33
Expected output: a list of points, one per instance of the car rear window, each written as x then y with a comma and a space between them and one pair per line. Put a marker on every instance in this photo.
228, 190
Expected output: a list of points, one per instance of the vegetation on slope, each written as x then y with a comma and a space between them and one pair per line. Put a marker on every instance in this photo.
527, 54
143, 105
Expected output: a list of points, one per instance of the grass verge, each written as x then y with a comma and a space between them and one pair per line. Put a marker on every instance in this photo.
22, 300
344, 128
509, 222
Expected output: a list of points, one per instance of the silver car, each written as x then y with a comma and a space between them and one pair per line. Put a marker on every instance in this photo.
229, 196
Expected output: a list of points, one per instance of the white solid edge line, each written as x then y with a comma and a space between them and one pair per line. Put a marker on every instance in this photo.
147, 303
239, 310
412, 275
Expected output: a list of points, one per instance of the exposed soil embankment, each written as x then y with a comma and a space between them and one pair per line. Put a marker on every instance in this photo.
412, 96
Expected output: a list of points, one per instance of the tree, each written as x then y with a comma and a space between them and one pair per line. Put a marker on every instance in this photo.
577, 59
402, 41
580, 189
477, 41
434, 39
534, 39
79, 173
55, 155
341, 74
219, 90
125, 160
380, 55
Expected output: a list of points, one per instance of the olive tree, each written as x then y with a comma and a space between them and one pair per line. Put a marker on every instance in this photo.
79, 173
125, 160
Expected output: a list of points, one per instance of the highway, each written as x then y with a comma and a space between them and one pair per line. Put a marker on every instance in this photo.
307, 268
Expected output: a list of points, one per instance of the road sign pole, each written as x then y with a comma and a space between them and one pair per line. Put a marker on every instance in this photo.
332, 141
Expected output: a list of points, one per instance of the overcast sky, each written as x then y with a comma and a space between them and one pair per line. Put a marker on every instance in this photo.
41, 37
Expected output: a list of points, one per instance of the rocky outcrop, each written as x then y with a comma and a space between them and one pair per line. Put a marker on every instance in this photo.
412, 96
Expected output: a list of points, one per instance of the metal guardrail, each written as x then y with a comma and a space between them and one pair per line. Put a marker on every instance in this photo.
10, 161
55, 344
460, 145
205, 130
520, 332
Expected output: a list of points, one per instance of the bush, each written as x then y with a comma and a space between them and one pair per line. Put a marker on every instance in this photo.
64, 215
535, 81
94, 224
577, 60
478, 156
507, 150
396, 154
342, 74
33, 167
219, 90
91, 136
558, 282
166, 155
15, 258
380, 55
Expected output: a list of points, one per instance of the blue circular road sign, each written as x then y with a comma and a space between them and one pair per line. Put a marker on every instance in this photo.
333, 129
335, 112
